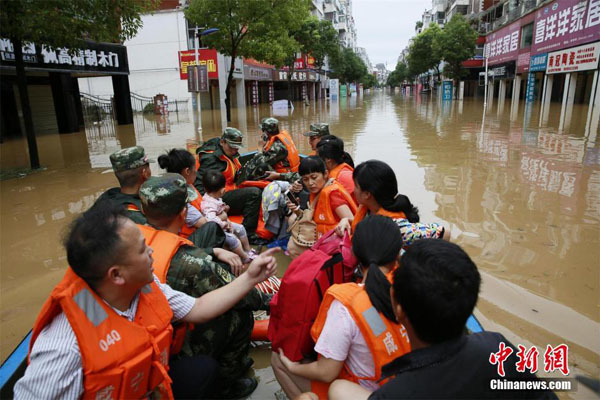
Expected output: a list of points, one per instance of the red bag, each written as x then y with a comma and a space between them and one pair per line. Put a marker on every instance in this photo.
295, 307
331, 243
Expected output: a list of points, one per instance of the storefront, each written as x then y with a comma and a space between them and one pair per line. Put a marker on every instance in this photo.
298, 88
258, 81
53, 87
502, 52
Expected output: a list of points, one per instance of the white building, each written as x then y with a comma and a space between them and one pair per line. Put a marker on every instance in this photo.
382, 73
362, 53
339, 12
154, 64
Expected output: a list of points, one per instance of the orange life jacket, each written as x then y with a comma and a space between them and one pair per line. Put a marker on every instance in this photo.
386, 340
132, 207
362, 213
293, 157
324, 215
233, 166
120, 358
339, 168
165, 245
186, 231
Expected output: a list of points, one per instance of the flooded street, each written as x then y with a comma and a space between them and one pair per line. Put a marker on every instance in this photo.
523, 201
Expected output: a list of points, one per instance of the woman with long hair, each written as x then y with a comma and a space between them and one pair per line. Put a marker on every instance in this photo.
356, 332
376, 192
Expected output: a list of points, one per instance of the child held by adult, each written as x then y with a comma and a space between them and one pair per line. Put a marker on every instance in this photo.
214, 209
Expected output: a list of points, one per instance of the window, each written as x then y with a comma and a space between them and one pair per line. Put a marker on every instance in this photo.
526, 35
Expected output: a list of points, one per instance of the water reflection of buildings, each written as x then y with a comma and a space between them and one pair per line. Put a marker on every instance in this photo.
529, 196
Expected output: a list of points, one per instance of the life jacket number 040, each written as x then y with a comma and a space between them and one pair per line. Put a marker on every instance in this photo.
112, 337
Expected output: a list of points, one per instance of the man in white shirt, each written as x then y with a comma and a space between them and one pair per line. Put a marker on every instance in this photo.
108, 251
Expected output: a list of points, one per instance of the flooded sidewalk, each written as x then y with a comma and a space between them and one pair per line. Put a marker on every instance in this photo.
522, 200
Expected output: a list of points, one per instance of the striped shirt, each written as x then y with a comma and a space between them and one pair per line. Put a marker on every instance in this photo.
55, 370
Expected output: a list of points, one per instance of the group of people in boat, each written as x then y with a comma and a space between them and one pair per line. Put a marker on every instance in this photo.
159, 295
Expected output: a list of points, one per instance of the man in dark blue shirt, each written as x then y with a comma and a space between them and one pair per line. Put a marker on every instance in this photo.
434, 292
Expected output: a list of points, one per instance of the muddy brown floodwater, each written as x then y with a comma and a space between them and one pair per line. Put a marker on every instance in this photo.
523, 201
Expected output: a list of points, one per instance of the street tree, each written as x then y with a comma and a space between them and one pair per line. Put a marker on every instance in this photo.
257, 29
315, 38
369, 81
64, 23
423, 54
398, 75
455, 45
347, 66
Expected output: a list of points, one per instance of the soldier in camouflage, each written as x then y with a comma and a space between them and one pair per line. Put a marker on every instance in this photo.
317, 131
219, 154
131, 167
227, 337
266, 160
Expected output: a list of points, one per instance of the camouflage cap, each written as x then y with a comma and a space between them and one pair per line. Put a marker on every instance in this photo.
233, 137
262, 121
270, 125
318, 129
128, 158
164, 195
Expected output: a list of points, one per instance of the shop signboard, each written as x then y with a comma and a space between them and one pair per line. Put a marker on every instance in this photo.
343, 91
297, 76
523, 62
334, 88
538, 62
503, 71
580, 58
447, 90
103, 58
206, 57
530, 91
253, 73
503, 45
566, 23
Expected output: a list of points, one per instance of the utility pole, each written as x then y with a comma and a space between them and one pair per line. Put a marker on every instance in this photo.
485, 87
197, 94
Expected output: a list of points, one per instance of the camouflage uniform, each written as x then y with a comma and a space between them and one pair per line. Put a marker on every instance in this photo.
115, 195
245, 201
123, 160
266, 160
227, 337
192, 271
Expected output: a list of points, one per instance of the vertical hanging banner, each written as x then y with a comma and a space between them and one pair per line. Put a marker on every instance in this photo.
530, 91
197, 77
447, 90
271, 93
254, 93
